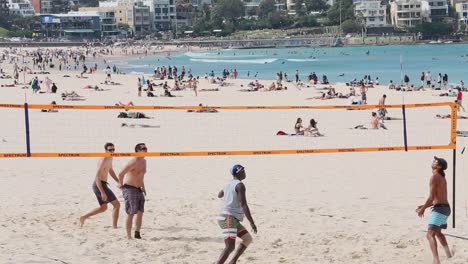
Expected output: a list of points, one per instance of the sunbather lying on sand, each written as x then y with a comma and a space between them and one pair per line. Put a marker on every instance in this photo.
136, 115
449, 116
138, 126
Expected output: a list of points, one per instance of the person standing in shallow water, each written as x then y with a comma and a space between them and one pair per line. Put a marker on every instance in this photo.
234, 209
440, 209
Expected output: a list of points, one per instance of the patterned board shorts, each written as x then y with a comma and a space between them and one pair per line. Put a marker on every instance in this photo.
232, 228
134, 199
439, 216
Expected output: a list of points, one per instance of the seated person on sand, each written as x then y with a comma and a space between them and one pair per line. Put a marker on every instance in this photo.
298, 128
312, 130
352, 92
136, 115
272, 87
167, 93
391, 85
176, 86
138, 126
449, 116
375, 122
50, 110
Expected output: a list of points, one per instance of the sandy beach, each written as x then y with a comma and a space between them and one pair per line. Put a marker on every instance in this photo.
317, 208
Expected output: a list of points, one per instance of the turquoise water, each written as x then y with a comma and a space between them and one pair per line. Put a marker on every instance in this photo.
350, 62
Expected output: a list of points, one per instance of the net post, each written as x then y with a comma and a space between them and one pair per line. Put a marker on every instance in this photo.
26, 120
405, 138
453, 185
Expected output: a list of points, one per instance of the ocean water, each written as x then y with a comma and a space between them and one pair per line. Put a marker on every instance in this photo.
339, 64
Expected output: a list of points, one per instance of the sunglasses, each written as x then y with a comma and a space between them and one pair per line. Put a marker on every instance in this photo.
143, 148
111, 149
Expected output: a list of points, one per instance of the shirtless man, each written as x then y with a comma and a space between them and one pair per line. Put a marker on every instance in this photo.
382, 111
440, 209
133, 188
103, 194
364, 93
235, 206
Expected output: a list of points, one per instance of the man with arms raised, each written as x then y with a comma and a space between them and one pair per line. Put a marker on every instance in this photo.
235, 206
103, 194
133, 188
440, 209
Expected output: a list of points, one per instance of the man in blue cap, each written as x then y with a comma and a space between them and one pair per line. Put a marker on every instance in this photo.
440, 209
235, 206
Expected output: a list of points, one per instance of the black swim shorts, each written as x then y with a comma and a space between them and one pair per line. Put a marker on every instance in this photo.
110, 195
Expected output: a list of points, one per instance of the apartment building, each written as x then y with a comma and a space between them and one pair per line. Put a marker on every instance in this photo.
20, 8
462, 11
438, 9
54, 6
408, 13
164, 14
136, 15
373, 13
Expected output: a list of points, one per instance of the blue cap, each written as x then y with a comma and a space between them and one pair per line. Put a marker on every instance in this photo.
236, 169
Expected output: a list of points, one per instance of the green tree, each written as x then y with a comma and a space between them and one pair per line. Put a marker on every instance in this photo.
228, 10
266, 7
350, 26
316, 5
347, 12
299, 8
435, 29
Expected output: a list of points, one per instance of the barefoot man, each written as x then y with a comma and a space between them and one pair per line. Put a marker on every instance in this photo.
235, 206
103, 194
133, 189
440, 209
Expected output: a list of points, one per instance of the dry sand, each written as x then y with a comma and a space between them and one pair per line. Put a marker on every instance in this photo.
318, 208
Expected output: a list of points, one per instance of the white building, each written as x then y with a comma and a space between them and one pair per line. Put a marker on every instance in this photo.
20, 8
462, 11
438, 9
373, 13
107, 19
408, 13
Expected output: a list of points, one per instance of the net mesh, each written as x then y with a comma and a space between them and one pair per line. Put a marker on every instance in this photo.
86, 131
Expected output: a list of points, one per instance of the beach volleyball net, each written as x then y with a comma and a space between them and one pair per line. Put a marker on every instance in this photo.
82, 131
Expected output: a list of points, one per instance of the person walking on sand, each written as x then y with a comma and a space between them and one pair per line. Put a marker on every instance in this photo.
133, 188
440, 209
460, 100
101, 189
235, 206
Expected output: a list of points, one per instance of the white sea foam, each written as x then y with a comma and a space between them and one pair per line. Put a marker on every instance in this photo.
137, 73
254, 61
302, 60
